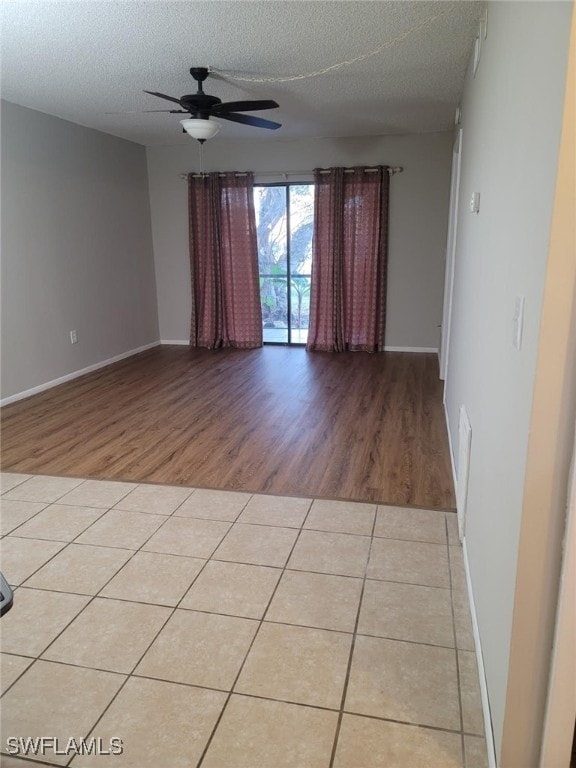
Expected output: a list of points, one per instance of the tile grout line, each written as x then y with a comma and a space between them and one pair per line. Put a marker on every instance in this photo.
66, 544
10, 533
261, 697
103, 546
239, 562
90, 601
92, 598
15, 535
97, 594
130, 675
173, 514
12, 487
284, 569
236, 615
24, 761
261, 622
81, 481
352, 648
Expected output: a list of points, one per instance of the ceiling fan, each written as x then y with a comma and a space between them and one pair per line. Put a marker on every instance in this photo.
201, 106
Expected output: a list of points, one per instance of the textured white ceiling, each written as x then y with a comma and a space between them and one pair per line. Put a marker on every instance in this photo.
80, 60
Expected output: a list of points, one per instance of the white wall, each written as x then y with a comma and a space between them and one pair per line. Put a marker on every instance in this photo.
512, 114
418, 218
76, 248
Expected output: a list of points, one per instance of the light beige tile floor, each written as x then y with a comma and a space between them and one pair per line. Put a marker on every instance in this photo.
14, 513
207, 629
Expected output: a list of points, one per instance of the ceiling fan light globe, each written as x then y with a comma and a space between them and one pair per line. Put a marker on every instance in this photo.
200, 129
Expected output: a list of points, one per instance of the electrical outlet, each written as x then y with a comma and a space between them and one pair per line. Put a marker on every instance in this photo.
73, 337
474, 204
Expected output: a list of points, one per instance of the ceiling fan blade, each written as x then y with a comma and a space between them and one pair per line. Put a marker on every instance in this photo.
257, 122
243, 106
145, 111
163, 96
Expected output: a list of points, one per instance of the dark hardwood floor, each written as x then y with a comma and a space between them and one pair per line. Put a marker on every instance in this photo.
273, 420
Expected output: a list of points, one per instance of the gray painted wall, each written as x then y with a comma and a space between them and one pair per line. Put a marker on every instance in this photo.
76, 248
418, 218
512, 113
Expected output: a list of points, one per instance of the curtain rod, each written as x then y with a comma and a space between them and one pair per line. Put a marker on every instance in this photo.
392, 170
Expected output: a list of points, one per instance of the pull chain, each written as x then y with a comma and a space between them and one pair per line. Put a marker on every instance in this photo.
201, 157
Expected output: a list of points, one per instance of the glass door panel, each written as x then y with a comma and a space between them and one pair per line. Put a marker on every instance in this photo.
301, 227
271, 220
284, 224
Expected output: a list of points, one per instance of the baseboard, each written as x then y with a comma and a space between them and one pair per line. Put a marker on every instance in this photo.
429, 350
75, 374
489, 733
386, 349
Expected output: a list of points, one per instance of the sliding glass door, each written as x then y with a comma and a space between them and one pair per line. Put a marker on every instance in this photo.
285, 221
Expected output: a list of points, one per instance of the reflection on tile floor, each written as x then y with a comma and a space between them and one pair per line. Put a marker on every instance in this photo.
224, 630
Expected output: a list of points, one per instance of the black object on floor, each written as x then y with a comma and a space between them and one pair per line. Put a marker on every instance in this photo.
6, 596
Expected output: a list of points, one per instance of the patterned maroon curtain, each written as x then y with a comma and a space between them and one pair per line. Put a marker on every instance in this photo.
349, 260
226, 309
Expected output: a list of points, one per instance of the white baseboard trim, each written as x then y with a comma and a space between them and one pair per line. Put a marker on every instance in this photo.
489, 733
386, 349
429, 350
75, 374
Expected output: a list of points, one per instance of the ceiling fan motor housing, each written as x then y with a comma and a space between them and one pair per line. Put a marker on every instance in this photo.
199, 104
